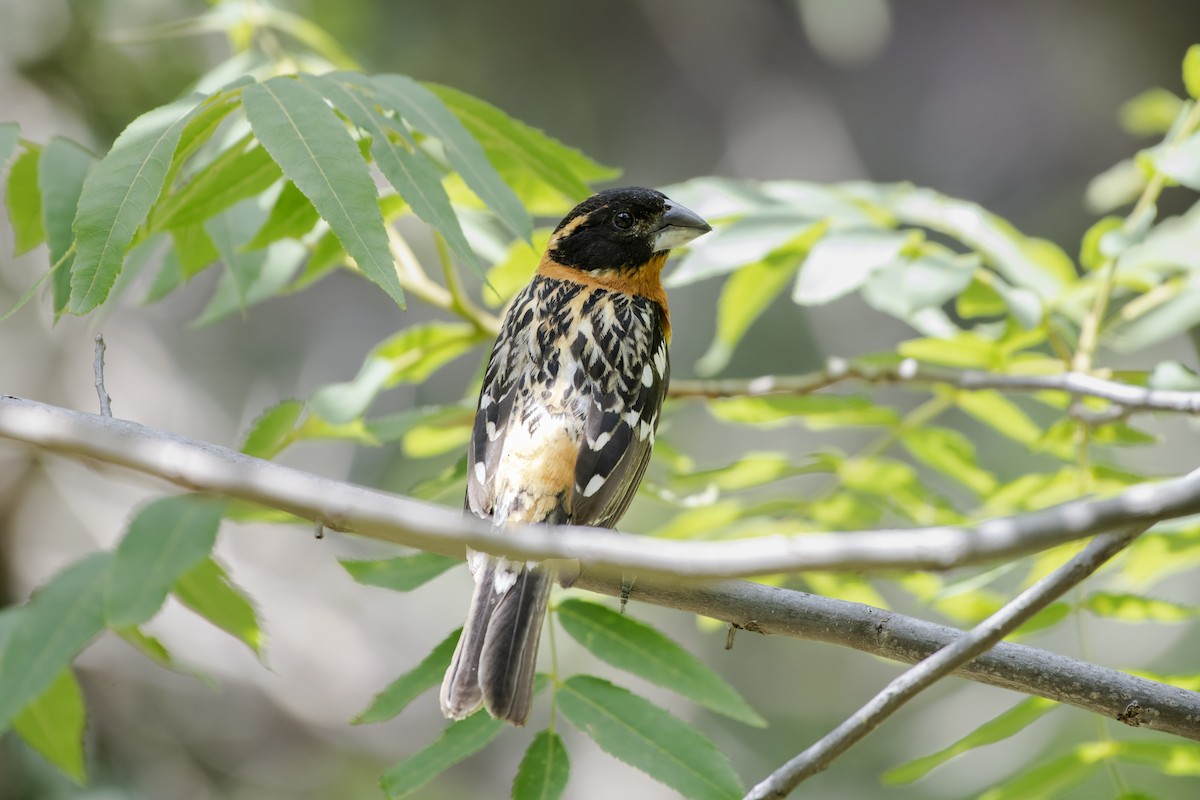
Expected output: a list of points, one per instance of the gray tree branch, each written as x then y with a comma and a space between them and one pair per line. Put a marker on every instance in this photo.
753, 607
1127, 397
749, 606
217, 470
978, 640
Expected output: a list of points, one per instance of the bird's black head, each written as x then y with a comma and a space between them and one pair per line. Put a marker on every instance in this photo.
622, 229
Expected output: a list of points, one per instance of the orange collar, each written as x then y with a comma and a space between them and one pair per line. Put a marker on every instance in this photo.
644, 281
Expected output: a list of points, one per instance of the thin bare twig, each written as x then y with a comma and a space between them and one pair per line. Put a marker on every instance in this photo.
98, 370
909, 372
981, 638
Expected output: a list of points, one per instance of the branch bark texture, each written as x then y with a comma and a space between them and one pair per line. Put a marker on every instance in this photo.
207, 468
219, 471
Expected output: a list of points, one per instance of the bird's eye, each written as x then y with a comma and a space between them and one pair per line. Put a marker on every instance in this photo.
623, 220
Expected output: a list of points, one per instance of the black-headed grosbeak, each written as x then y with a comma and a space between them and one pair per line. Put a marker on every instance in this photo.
566, 420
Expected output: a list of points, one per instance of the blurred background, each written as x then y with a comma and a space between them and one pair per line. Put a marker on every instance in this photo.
1013, 105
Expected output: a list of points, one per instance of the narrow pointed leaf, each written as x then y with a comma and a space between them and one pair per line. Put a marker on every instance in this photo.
24, 199
645, 736
53, 725
61, 172
637, 648
544, 770
291, 217
409, 170
744, 297
310, 143
1049, 780
62, 616
1134, 608
412, 684
458, 741
238, 173
564, 168
207, 590
427, 113
165, 540
401, 574
1010, 723
116, 198
270, 432
950, 453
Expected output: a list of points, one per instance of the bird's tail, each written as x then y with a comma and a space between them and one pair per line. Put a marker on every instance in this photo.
494, 662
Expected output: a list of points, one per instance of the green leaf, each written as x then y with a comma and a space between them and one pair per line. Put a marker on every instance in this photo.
207, 590
61, 172
10, 134
400, 574
409, 170
1117, 186
422, 109
438, 435
908, 286
117, 196
744, 241
165, 540
998, 412
950, 453
458, 741
53, 725
250, 276
1134, 608
243, 171
841, 263
24, 199
410, 356
964, 350
815, 411
412, 684
645, 736
291, 217
63, 615
544, 770
1159, 554
638, 648
509, 142
1169, 758
1150, 113
992, 237
310, 143
195, 248
1051, 779
1010, 723
744, 297
271, 432
1181, 162
1191, 71
752, 470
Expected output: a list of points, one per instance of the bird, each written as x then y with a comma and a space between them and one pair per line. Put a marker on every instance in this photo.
565, 423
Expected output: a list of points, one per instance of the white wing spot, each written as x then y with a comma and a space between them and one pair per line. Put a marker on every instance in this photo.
647, 376
594, 485
491, 431
660, 360
601, 440
480, 472
645, 430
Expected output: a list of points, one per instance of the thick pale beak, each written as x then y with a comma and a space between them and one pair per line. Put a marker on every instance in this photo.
679, 226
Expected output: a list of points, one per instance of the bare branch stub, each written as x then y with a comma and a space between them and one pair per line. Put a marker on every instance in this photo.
98, 370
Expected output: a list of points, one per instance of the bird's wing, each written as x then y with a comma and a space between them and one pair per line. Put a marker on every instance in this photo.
622, 417
500, 387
